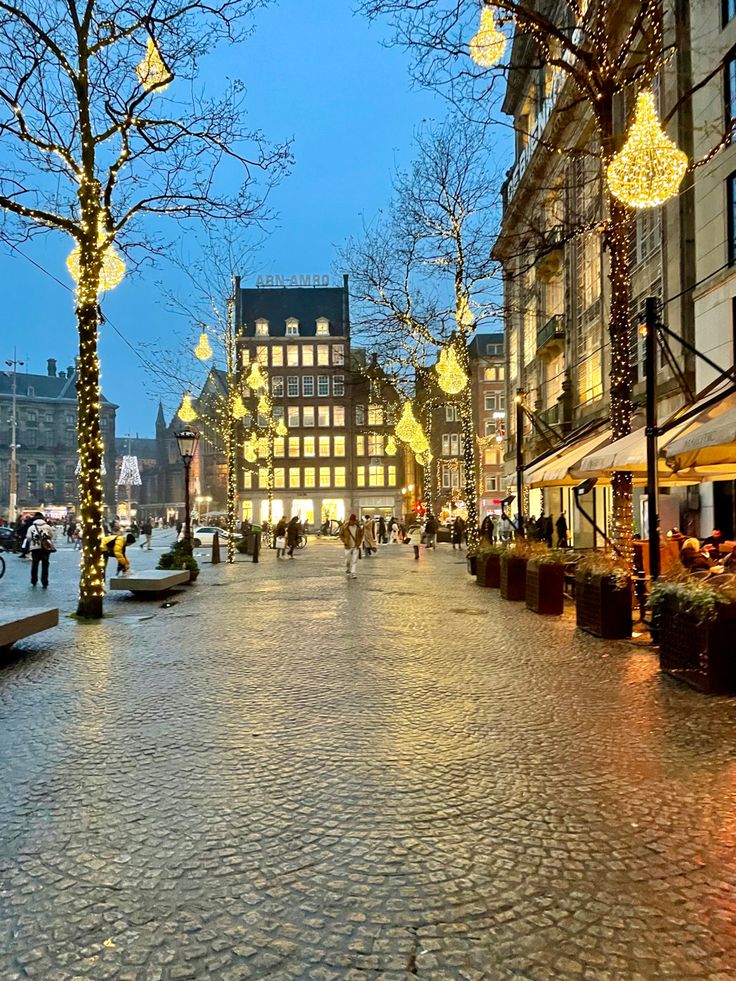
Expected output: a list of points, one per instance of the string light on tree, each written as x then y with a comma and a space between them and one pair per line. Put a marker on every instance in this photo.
487, 47
649, 168
112, 270
186, 411
152, 72
203, 350
450, 373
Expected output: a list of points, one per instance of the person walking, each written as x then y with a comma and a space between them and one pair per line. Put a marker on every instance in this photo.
561, 526
458, 532
370, 545
394, 531
280, 538
40, 538
292, 535
382, 538
546, 533
352, 538
430, 531
22, 526
147, 531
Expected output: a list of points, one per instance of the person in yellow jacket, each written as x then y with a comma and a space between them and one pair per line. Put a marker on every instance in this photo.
352, 538
115, 545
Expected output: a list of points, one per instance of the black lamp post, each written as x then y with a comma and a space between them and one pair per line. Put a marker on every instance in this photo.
187, 441
519, 400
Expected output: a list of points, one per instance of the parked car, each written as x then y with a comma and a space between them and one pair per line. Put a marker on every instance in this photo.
8, 539
202, 537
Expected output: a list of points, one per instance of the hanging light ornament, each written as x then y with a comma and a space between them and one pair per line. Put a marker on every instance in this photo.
152, 71
391, 446
256, 379
203, 350
419, 442
112, 269
424, 459
649, 167
451, 374
463, 314
249, 453
281, 429
239, 408
264, 405
488, 45
407, 425
186, 413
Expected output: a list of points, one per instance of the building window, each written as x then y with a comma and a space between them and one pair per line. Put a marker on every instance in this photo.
323, 330
323, 385
294, 444
445, 444
247, 479
375, 446
375, 477
491, 484
279, 446
324, 445
308, 415
501, 403
339, 476
360, 476
338, 354
309, 446
261, 328
454, 444
262, 448
279, 478
446, 478
375, 415
324, 477
307, 356
489, 374
391, 475
731, 216
323, 416
310, 477
450, 413
70, 419
292, 327
490, 402
292, 355
292, 386
338, 385
245, 356
308, 386
294, 476
338, 415
728, 11
339, 442
262, 354
277, 386
263, 477
360, 415
292, 416
277, 411
360, 445
277, 356
323, 355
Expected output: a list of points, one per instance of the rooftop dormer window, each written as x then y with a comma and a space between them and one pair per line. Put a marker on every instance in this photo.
292, 327
261, 327
323, 327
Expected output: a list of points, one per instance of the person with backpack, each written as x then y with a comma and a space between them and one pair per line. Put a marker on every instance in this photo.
40, 542
115, 546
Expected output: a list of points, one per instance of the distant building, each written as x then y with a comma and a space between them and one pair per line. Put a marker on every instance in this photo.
46, 440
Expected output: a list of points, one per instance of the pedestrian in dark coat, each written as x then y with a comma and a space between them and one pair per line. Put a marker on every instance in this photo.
382, 536
547, 530
280, 538
458, 532
292, 536
561, 525
40, 538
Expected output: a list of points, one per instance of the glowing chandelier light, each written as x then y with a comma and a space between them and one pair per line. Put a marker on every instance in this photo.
264, 405
186, 412
256, 380
203, 350
463, 314
488, 45
249, 453
451, 375
419, 442
407, 425
112, 270
391, 446
152, 71
239, 408
648, 169
281, 429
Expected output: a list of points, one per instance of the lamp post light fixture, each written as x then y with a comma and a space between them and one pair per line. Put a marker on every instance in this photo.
187, 440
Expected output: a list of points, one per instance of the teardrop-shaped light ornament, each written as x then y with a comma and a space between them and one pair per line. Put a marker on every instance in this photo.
203, 350
186, 411
452, 377
264, 405
419, 442
391, 447
281, 429
649, 167
488, 45
239, 408
256, 379
152, 71
406, 427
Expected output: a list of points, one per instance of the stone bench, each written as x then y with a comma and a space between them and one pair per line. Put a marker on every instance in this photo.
26, 626
152, 582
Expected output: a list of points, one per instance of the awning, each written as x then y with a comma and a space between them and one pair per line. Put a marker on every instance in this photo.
560, 468
707, 448
630, 455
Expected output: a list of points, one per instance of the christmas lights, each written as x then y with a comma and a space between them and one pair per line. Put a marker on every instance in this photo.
488, 45
649, 168
186, 411
203, 350
256, 379
281, 429
112, 269
452, 378
419, 442
391, 446
152, 72
129, 472
238, 409
407, 425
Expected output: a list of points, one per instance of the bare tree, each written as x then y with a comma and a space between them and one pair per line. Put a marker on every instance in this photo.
97, 148
422, 274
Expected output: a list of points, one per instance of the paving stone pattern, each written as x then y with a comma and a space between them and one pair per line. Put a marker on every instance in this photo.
290, 774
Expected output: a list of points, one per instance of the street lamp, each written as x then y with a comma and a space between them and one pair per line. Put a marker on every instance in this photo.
187, 441
13, 497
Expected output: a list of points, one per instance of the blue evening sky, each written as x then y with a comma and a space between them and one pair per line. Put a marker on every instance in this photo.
314, 72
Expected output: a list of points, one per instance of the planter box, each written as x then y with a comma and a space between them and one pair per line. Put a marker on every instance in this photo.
472, 559
488, 571
545, 588
700, 654
602, 610
513, 578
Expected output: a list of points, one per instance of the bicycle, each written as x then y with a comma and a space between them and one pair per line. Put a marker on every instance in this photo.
2, 563
302, 542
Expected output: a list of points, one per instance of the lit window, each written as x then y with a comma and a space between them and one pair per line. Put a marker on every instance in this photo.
500, 372
324, 446
292, 386
294, 476
338, 354
375, 446
360, 415
247, 479
277, 357
324, 477
307, 355
309, 446
339, 445
263, 477
261, 328
360, 445
308, 386
490, 403
262, 448
338, 384
489, 374
446, 477
292, 356
339, 476
292, 327
310, 477
323, 328
279, 478
245, 356
323, 385
360, 476
375, 477
454, 444
491, 483
277, 386
279, 446
445, 444
308, 415
451, 413
338, 415
292, 416
323, 418
323, 354
262, 354
375, 415
294, 443
391, 475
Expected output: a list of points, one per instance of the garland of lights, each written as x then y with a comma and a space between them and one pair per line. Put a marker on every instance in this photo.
391, 447
487, 47
239, 409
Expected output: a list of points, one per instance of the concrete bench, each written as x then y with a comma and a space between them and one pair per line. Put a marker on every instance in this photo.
13, 630
152, 582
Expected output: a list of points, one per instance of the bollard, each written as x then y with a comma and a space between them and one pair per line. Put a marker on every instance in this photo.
215, 549
256, 545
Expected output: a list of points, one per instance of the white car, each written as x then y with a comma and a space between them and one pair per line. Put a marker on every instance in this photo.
202, 537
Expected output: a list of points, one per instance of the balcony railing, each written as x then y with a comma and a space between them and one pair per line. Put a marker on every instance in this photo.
553, 330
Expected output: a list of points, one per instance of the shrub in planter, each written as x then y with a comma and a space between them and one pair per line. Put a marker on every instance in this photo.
603, 596
488, 564
513, 568
472, 561
180, 556
545, 582
695, 620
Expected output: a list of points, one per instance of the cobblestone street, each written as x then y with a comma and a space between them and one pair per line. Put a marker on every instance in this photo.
290, 774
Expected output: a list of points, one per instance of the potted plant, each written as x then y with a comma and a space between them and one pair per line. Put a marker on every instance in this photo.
180, 556
603, 598
695, 620
472, 560
513, 568
545, 581
488, 564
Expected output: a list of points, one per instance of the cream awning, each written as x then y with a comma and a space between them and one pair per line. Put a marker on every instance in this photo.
630, 455
707, 448
560, 468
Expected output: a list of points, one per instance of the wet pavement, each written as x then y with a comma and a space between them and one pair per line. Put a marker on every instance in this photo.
291, 774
